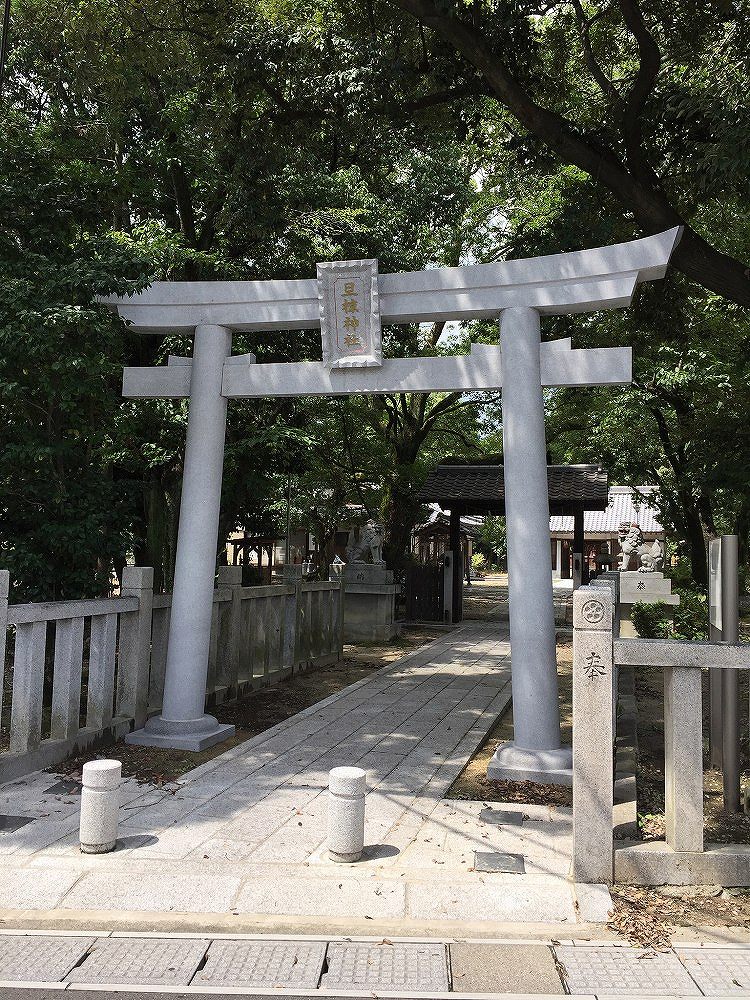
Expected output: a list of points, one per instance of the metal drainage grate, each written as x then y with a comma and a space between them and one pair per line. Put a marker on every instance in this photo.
144, 962
492, 861
386, 966
255, 964
10, 823
623, 972
501, 817
36, 959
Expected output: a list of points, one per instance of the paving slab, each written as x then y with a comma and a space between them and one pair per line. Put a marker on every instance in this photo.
140, 962
387, 966
718, 971
151, 891
493, 899
338, 896
624, 972
40, 959
30, 889
504, 968
245, 833
277, 964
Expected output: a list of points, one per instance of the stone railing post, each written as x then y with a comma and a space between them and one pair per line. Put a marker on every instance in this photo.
683, 758
593, 737
340, 615
292, 575
4, 592
135, 645
230, 577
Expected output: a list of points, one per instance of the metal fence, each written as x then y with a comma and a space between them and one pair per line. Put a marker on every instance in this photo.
76, 672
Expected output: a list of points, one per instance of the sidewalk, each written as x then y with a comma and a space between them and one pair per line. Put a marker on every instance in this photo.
367, 966
243, 835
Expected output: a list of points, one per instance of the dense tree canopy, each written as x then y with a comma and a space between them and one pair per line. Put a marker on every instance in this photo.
250, 139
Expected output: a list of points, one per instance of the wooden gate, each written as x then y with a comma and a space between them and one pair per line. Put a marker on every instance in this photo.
424, 593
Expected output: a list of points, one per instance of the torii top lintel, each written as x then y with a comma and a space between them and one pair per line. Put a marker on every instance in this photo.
582, 281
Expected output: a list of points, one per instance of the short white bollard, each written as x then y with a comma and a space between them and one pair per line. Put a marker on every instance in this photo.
346, 813
100, 804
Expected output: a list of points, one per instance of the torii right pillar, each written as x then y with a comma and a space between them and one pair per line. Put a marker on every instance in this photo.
536, 753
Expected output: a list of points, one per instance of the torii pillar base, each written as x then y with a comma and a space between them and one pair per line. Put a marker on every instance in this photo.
195, 735
549, 767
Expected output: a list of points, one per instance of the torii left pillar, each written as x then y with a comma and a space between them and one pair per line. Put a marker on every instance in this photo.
183, 724
536, 753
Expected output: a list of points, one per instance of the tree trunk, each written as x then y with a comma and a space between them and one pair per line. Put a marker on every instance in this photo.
696, 540
400, 513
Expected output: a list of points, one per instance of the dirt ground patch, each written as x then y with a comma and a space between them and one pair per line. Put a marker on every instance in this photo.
719, 826
258, 712
473, 783
648, 917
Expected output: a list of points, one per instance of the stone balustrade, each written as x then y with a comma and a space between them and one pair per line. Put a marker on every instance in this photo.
87, 672
682, 857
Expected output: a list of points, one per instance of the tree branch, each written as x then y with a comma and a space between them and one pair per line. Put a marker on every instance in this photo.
638, 192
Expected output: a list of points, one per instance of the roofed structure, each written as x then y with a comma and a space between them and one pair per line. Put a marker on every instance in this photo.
480, 489
626, 503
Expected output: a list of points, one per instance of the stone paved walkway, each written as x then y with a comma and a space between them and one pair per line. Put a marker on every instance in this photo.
244, 834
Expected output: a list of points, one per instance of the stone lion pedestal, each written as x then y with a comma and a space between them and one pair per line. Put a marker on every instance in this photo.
369, 601
648, 588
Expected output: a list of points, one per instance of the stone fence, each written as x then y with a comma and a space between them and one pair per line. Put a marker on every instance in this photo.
682, 858
84, 672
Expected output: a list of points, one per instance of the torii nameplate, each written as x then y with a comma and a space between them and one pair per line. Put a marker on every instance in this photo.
350, 314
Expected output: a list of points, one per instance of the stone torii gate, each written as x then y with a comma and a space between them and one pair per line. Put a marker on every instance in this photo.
349, 300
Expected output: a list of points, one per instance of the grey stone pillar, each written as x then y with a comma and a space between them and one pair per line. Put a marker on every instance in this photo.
183, 723
292, 607
683, 758
135, 644
4, 593
535, 754
593, 736
730, 686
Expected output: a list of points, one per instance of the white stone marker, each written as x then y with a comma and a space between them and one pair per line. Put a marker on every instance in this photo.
100, 805
346, 813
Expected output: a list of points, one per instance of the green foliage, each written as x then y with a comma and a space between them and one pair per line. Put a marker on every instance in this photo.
251, 139
688, 620
66, 518
172, 140
493, 539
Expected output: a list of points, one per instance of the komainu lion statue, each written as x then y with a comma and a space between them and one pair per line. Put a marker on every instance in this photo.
649, 558
370, 540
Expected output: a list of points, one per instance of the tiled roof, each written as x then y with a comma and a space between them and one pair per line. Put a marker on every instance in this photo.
438, 522
622, 506
479, 489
